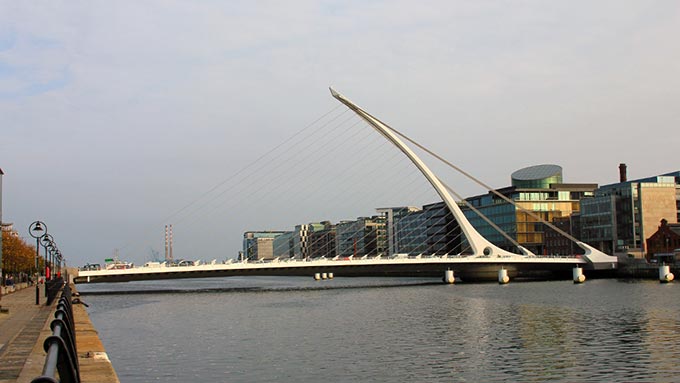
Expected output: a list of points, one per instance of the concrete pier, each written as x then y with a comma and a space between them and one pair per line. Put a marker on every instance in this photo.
25, 326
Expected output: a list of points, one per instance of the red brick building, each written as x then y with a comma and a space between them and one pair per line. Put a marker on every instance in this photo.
665, 243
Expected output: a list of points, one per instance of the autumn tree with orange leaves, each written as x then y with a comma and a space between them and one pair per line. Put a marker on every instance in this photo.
17, 255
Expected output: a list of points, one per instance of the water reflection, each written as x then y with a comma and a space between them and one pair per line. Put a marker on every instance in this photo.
547, 331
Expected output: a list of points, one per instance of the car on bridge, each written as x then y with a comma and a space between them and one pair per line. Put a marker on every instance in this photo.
91, 267
181, 262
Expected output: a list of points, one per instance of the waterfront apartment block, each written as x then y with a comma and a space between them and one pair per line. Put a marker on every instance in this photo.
538, 189
558, 244
612, 218
259, 244
283, 245
305, 244
409, 236
621, 216
442, 232
363, 236
403, 229
321, 240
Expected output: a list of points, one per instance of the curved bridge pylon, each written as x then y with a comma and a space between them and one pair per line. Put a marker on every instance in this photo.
481, 247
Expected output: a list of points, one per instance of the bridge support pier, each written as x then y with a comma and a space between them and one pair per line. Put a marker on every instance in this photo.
665, 274
503, 276
324, 276
317, 276
448, 277
330, 275
577, 275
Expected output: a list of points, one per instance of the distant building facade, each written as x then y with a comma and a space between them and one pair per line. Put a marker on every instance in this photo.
364, 236
612, 218
537, 189
410, 233
321, 240
283, 245
259, 244
442, 232
621, 216
664, 244
403, 229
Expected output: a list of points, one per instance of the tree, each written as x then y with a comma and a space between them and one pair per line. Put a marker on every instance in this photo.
18, 256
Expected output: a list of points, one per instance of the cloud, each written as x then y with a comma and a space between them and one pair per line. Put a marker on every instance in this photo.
141, 106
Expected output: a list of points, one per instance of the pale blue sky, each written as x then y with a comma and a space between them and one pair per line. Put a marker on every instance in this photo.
116, 114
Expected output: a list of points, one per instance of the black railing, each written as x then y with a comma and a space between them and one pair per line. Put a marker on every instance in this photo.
52, 288
62, 357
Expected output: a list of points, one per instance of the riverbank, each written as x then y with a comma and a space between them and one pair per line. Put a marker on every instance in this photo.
24, 326
95, 365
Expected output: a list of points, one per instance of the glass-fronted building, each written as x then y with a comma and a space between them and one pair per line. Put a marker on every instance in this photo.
442, 231
254, 250
621, 216
538, 189
364, 236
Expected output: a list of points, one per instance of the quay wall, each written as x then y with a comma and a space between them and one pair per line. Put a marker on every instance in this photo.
643, 270
95, 365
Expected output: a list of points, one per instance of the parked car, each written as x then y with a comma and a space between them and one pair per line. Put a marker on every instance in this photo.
185, 262
91, 267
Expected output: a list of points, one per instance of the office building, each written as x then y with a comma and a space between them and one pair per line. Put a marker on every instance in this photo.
621, 216
538, 189
364, 236
255, 249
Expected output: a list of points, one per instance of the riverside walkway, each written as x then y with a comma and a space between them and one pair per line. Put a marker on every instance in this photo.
25, 326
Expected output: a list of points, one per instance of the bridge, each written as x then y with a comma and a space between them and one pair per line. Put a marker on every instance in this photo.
485, 262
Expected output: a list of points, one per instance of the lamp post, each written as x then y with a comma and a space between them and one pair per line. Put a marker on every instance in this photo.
36, 230
58, 258
48, 243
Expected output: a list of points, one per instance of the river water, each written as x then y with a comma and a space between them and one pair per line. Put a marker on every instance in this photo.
264, 329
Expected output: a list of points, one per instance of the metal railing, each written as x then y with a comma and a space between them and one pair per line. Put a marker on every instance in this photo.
62, 357
52, 288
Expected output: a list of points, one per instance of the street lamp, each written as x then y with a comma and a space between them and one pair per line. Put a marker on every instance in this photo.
48, 243
57, 259
55, 272
36, 230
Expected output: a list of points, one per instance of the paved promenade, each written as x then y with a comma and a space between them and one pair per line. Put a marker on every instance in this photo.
23, 330
20, 330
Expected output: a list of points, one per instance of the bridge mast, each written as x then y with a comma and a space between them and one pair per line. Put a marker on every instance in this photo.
480, 245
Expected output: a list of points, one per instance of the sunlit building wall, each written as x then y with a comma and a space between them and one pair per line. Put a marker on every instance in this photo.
537, 189
621, 216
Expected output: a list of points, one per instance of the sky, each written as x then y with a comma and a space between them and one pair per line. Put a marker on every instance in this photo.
114, 115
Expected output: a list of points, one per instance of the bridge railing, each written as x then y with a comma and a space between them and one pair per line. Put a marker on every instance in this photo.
62, 358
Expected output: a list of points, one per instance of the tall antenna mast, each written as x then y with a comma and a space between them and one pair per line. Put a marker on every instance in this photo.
166, 243
170, 242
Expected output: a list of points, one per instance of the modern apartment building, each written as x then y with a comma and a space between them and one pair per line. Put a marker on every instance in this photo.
283, 245
621, 216
321, 240
259, 244
537, 189
403, 229
364, 236
442, 232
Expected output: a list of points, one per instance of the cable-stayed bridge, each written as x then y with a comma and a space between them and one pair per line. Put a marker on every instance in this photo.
477, 258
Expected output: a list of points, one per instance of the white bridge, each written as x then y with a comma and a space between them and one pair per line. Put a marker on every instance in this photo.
487, 261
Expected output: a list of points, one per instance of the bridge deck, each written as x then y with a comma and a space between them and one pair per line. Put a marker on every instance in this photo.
467, 267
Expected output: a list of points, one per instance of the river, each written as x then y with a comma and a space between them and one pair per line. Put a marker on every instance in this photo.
264, 329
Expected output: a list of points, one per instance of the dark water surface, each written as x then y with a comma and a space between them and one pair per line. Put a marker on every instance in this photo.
289, 329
